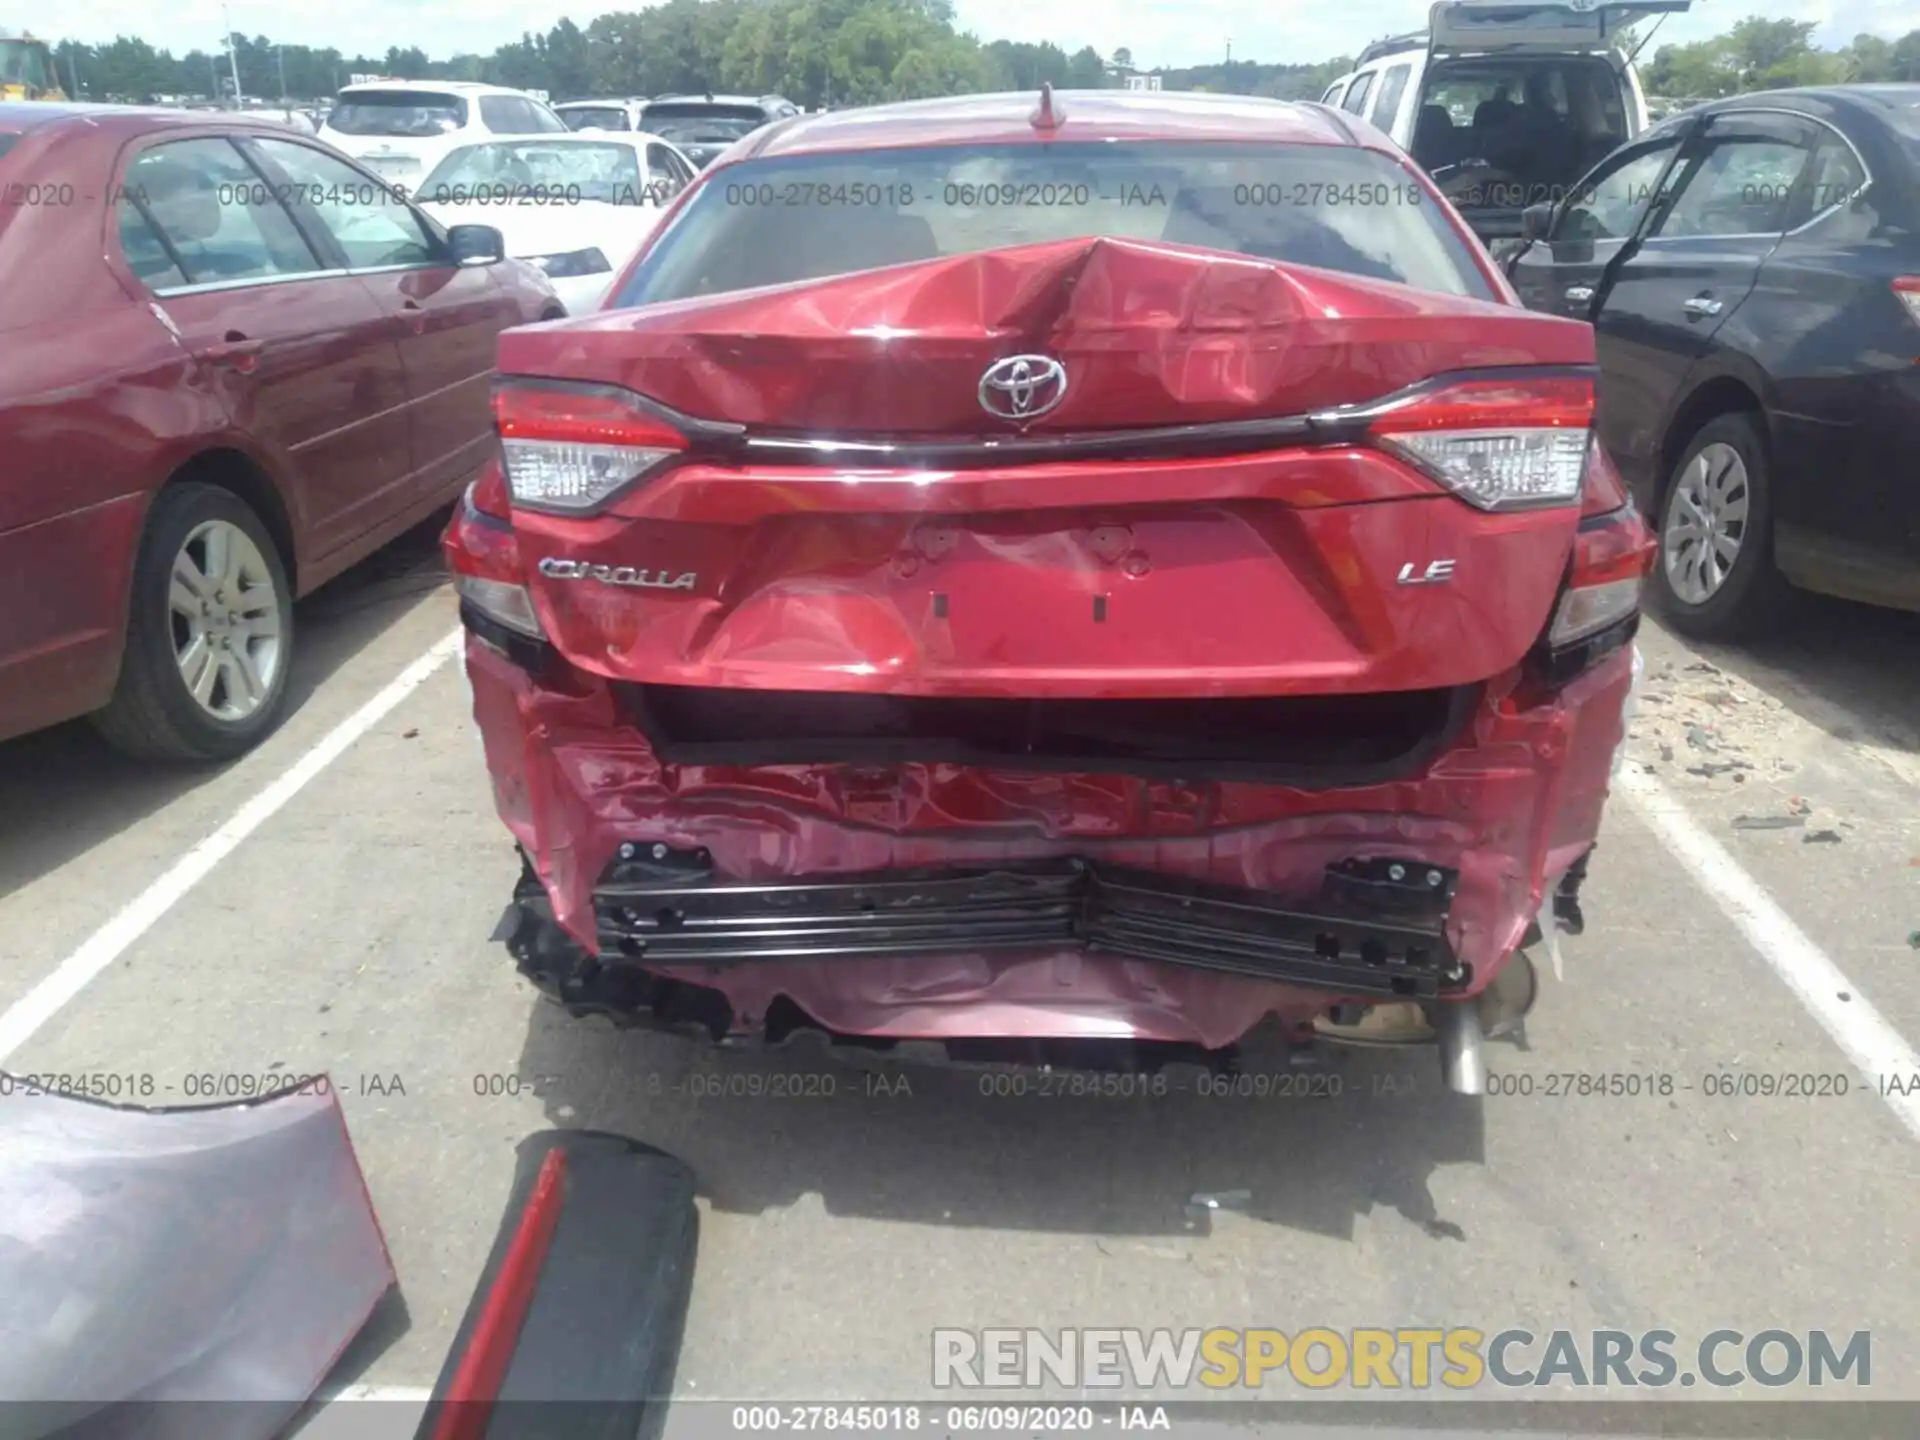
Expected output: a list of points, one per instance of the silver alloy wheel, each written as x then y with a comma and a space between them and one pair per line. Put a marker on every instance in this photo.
1706, 523
225, 619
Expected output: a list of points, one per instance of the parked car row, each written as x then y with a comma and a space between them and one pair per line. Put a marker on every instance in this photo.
701, 125
896, 564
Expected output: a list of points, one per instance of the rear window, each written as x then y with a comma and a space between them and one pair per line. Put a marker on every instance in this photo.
771, 222
554, 172
515, 115
602, 117
701, 123
413, 114
1502, 134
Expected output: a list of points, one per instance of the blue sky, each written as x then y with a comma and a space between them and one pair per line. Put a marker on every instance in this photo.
1162, 32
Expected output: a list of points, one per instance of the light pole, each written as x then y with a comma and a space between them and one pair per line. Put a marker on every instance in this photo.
280, 57
233, 56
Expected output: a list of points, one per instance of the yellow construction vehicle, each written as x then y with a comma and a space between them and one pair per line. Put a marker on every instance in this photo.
27, 71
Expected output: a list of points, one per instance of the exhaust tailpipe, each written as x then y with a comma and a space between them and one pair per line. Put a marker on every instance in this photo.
1461, 1061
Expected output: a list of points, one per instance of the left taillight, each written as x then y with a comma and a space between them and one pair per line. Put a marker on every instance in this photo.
484, 557
1498, 444
568, 449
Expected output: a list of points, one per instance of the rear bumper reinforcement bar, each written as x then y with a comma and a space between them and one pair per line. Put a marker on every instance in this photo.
662, 907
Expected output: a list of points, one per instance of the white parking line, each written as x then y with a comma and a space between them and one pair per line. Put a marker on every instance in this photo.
1876, 1049
106, 944
409, 1394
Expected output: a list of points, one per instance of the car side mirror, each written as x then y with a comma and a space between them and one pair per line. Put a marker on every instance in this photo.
1536, 221
476, 245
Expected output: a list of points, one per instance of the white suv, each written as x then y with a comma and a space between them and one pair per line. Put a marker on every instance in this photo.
1505, 103
401, 129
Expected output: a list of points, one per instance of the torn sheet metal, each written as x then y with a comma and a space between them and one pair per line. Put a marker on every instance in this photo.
211, 1254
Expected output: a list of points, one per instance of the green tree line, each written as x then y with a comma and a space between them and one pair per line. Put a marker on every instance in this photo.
1761, 54
852, 52
815, 52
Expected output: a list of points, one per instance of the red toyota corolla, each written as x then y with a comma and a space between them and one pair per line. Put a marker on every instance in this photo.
231, 365
1102, 568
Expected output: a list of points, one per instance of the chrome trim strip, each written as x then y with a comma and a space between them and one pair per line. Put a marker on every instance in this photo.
395, 269
1337, 425
210, 287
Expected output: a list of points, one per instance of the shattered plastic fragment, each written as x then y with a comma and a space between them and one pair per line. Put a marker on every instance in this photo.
1549, 925
1628, 709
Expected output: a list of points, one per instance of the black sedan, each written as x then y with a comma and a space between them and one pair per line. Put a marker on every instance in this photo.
1752, 270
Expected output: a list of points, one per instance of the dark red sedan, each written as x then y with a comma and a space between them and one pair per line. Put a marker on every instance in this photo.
231, 364
1014, 569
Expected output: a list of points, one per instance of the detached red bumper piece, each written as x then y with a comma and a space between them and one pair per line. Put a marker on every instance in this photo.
574, 1329
1102, 727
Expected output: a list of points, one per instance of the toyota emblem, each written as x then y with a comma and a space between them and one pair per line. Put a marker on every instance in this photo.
1023, 387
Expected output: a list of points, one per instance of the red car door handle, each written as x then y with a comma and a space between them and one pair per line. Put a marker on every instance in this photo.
233, 349
416, 317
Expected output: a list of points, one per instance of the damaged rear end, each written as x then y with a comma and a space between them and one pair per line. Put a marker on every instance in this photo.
1125, 639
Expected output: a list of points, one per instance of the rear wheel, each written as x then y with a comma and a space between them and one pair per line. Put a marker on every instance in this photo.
209, 632
1715, 579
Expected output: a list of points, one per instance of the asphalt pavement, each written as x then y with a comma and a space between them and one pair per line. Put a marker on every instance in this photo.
1753, 909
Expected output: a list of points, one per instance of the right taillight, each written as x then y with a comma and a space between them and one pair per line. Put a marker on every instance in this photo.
1497, 444
568, 449
1612, 551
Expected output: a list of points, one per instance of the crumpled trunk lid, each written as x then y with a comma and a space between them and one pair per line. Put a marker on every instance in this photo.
1149, 334
806, 555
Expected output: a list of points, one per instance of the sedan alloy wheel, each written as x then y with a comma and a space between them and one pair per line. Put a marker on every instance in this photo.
225, 620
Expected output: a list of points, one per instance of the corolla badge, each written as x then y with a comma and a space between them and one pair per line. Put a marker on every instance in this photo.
1023, 387
628, 575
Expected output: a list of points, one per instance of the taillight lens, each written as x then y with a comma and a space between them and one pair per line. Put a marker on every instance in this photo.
568, 449
501, 600
489, 494
1612, 552
1602, 491
484, 556
1498, 444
